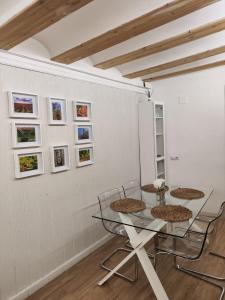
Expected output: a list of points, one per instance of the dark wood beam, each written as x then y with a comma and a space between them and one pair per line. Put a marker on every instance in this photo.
187, 71
189, 36
177, 62
35, 18
149, 21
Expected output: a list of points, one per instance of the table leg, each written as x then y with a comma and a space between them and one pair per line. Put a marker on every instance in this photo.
138, 241
143, 257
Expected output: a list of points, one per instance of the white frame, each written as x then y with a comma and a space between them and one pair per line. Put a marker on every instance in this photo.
27, 152
85, 163
85, 141
14, 114
17, 144
66, 167
51, 121
80, 102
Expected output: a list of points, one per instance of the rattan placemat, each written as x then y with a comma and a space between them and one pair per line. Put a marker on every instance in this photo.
127, 205
149, 188
186, 193
171, 213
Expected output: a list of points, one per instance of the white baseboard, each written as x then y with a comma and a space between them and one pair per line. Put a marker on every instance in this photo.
59, 270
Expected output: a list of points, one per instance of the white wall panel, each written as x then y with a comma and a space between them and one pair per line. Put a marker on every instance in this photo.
43, 220
196, 130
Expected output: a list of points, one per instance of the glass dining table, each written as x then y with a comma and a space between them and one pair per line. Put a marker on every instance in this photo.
142, 226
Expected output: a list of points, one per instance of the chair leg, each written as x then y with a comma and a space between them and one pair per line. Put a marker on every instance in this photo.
201, 276
130, 279
209, 275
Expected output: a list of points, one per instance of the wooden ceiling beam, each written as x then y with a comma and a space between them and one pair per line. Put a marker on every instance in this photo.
155, 18
189, 36
35, 18
177, 62
187, 71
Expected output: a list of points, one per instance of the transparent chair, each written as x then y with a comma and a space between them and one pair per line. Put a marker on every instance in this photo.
105, 199
191, 248
132, 189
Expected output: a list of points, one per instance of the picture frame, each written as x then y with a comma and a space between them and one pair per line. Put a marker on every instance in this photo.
83, 133
82, 111
23, 105
84, 155
60, 159
28, 163
57, 111
26, 134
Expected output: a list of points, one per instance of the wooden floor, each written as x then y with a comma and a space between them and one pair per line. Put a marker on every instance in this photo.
80, 282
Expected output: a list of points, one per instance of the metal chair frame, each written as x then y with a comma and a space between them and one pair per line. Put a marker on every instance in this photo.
117, 250
200, 275
129, 188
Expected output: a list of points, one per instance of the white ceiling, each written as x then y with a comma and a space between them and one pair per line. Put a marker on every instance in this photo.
100, 16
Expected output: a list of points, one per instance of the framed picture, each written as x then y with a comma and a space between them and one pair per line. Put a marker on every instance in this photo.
26, 134
84, 155
82, 110
83, 133
60, 158
57, 111
23, 105
28, 163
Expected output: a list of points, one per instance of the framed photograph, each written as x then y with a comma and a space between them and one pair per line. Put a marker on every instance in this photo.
28, 163
83, 133
26, 134
82, 110
60, 158
23, 105
57, 111
84, 155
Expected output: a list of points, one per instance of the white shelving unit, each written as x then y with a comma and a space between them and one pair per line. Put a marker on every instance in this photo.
159, 137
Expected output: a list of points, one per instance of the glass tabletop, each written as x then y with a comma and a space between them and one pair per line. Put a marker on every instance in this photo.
144, 219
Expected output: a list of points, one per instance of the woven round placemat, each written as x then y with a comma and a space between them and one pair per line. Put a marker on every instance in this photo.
127, 205
186, 193
149, 188
171, 213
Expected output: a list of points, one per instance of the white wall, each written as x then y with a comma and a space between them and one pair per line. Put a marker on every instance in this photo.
46, 220
196, 130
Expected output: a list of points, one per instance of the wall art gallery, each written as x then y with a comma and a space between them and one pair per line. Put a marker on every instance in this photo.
27, 134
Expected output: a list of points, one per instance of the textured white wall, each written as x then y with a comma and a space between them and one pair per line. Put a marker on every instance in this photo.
42, 223
196, 130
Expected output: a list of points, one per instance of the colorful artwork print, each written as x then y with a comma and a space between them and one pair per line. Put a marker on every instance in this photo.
57, 110
83, 133
59, 157
82, 110
28, 163
84, 155
23, 104
25, 134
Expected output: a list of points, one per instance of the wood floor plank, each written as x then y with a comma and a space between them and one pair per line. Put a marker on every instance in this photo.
80, 282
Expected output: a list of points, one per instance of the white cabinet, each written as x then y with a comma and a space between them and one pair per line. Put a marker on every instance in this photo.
152, 141
159, 139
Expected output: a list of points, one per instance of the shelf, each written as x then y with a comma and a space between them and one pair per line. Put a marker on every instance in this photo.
160, 158
160, 173
159, 133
